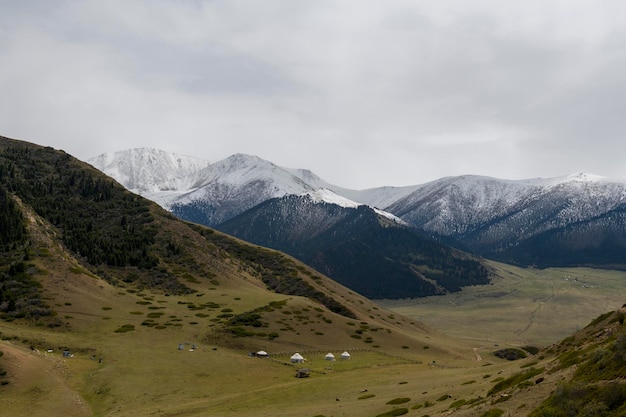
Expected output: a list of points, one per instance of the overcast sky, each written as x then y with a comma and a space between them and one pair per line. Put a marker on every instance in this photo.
363, 92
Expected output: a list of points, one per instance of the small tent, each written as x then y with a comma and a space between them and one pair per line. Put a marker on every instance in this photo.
262, 354
345, 355
297, 358
330, 357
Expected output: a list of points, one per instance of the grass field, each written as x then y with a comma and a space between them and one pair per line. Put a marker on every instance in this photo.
144, 373
523, 307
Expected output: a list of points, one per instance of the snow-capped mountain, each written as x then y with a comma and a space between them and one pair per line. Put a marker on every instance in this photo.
458, 205
207, 193
491, 216
238, 183
488, 216
155, 174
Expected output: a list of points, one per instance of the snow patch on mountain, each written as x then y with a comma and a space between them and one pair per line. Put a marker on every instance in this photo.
324, 195
450, 206
327, 196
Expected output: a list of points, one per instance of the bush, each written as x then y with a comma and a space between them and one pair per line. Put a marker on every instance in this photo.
533, 350
457, 403
125, 328
400, 400
515, 380
510, 354
394, 412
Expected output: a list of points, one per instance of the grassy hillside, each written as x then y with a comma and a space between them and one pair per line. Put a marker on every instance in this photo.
94, 270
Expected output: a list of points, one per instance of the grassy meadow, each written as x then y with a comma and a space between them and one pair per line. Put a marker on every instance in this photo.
523, 306
127, 362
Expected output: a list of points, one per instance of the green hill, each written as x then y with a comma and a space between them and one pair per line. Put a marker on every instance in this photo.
92, 269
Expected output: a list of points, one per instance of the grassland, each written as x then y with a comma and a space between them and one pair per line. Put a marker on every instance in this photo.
142, 372
523, 306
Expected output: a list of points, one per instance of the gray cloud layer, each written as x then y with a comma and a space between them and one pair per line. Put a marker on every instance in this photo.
363, 92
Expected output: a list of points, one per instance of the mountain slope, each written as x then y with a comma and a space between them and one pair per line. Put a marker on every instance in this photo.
129, 292
516, 221
126, 240
360, 248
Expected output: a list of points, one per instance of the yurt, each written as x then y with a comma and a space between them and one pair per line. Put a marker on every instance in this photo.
345, 355
262, 354
330, 357
297, 358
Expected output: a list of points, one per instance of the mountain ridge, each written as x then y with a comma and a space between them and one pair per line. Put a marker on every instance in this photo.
374, 254
487, 216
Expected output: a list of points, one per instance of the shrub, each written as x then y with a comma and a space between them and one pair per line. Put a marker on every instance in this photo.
533, 350
125, 328
510, 354
515, 380
457, 403
400, 400
394, 412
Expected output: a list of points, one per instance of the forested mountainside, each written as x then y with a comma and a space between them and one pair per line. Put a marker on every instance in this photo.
358, 247
114, 234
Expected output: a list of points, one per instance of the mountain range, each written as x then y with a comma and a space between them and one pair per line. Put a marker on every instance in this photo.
111, 306
574, 220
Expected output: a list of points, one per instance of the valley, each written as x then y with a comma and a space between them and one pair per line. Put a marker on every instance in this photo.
523, 306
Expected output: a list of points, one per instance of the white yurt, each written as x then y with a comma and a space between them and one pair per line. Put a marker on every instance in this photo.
330, 357
345, 355
297, 358
262, 354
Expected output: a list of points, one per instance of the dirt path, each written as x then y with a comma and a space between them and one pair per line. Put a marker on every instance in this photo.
37, 385
478, 357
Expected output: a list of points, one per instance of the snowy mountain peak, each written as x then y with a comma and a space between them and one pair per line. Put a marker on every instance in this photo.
241, 170
584, 177
147, 170
240, 161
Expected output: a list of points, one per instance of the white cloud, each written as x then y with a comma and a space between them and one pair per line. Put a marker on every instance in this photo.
364, 92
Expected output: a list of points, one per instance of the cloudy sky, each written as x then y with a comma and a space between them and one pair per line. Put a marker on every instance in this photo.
363, 92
